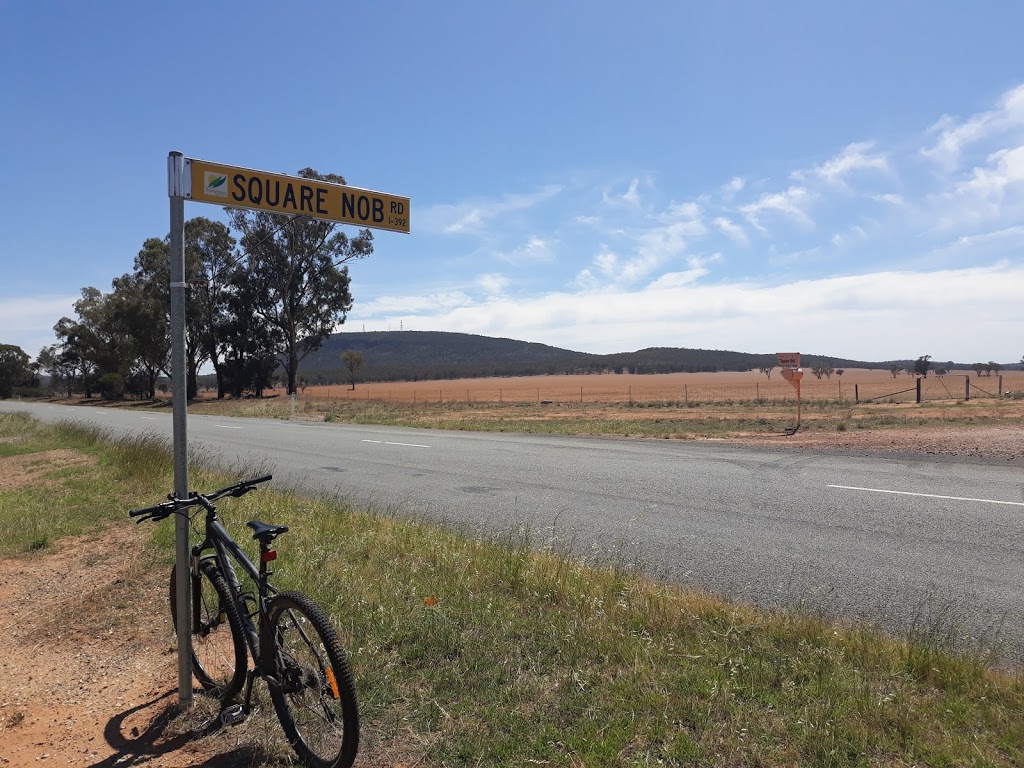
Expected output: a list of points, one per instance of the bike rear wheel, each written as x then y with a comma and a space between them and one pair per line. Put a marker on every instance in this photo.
313, 694
219, 659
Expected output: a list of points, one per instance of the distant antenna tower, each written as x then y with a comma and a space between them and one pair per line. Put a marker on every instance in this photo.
401, 325
364, 327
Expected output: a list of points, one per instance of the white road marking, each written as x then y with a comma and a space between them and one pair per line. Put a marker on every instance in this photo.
226, 426
928, 495
150, 418
406, 445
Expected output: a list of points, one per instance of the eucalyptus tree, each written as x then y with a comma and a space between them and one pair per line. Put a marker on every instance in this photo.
297, 277
14, 369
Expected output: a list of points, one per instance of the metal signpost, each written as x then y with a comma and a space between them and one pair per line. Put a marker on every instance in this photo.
226, 185
792, 372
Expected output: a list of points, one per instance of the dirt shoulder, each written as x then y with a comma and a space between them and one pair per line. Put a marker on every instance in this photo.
998, 443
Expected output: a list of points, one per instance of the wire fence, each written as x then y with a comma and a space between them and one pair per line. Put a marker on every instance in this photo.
570, 389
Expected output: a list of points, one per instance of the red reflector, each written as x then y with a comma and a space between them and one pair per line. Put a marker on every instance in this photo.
270, 554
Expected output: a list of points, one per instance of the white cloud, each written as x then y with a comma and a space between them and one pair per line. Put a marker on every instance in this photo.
469, 217
731, 229
731, 187
853, 157
790, 203
631, 197
534, 250
851, 316
955, 136
891, 199
414, 303
652, 248
493, 284
1006, 167
28, 321
992, 194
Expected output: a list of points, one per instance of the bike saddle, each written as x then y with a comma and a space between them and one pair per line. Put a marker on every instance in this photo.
265, 532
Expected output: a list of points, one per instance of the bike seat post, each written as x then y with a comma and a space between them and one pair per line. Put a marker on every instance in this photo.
267, 555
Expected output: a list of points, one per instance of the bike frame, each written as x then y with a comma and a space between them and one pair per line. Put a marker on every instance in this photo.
225, 549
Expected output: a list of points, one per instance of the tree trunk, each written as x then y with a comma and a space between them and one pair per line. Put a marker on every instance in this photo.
192, 385
292, 368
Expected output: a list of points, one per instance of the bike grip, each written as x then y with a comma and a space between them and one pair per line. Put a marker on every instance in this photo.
257, 480
145, 510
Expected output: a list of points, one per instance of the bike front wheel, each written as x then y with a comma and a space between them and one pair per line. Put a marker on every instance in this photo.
218, 647
312, 685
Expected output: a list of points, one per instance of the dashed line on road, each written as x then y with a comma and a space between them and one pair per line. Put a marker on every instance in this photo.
927, 495
148, 418
405, 445
227, 426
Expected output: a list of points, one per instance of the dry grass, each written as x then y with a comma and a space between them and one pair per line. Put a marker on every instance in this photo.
671, 387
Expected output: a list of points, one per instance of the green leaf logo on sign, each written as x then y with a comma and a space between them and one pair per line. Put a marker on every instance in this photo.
216, 184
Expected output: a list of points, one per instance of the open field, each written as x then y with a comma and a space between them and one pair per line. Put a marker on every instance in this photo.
983, 426
734, 386
501, 651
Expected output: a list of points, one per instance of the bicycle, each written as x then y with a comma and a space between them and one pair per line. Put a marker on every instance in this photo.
293, 646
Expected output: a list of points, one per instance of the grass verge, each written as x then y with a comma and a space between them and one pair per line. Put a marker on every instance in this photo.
495, 652
670, 420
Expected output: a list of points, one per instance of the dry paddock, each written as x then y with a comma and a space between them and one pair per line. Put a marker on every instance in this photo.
721, 387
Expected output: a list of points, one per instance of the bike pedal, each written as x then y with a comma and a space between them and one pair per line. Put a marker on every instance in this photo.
233, 715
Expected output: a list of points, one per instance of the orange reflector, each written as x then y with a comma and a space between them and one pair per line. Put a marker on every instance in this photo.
270, 554
333, 683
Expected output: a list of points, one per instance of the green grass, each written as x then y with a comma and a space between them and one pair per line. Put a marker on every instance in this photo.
500, 651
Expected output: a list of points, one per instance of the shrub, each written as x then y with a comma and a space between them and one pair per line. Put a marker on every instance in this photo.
111, 386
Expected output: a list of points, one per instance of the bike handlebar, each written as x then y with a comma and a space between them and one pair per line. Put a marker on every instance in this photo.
173, 504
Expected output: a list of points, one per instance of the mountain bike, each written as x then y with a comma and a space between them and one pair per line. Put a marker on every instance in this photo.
291, 641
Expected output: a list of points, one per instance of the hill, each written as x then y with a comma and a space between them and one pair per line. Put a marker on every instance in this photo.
425, 355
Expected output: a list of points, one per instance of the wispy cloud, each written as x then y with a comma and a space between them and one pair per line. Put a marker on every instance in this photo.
790, 203
731, 230
731, 187
471, 216
534, 250
653, 247
853, 158
954, 136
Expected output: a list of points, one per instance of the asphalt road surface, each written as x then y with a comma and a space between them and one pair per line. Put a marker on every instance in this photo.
895, 540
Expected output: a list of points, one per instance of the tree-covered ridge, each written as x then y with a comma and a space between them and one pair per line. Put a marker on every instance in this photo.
424, 355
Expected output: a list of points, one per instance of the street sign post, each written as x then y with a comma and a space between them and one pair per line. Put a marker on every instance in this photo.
231, 186
792, 372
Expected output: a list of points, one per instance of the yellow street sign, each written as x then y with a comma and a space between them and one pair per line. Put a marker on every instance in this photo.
276, 193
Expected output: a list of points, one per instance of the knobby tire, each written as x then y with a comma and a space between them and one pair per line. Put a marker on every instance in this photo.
313, 694
219, 659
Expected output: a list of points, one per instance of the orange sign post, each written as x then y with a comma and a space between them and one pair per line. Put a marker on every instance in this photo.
792, 372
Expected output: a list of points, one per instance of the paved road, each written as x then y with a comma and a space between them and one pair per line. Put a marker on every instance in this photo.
879, 537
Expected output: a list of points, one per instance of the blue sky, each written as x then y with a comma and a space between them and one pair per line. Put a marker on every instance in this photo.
842, 179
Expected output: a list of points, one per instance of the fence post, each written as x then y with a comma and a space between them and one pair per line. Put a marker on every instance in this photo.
686, 395
919, 390
1000, 385
856, 393
630, 394
538, 394
581, 394
840, 390
757, 384
499, 395
967, 388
